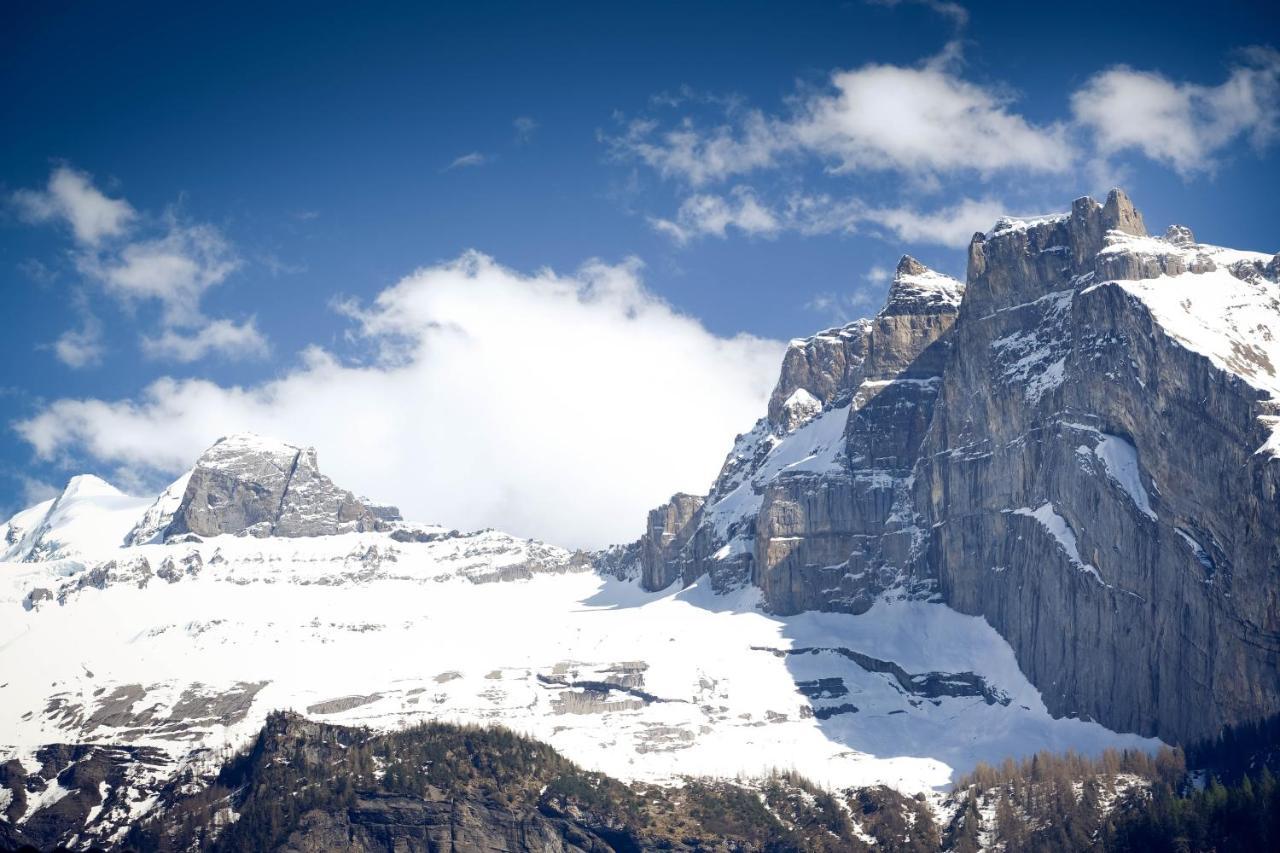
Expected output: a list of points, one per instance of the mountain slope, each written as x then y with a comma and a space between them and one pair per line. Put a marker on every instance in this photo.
183, 648
1081, 449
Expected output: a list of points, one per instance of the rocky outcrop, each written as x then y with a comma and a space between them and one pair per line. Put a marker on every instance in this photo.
664, 545
245, 484
825, 474
1082, 450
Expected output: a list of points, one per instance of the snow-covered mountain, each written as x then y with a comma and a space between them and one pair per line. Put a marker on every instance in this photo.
181, 647
1081, 449
966, 529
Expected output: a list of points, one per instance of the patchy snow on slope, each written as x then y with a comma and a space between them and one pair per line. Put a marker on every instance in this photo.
813, 448
1202, 556
1010, 224
1121, 460
1118, 242
1232, 322
1058, 527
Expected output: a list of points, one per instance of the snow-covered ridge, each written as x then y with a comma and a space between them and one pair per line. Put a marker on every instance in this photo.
89, 516
1006, 224
150, 528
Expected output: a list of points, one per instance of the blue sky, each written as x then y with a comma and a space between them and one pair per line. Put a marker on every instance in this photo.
221, 198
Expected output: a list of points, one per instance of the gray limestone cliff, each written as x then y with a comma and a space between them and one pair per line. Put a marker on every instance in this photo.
245, 484
1092, 482
1076, 445
811, 504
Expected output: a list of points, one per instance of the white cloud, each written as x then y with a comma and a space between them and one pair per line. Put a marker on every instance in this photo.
222, 337
80, 347
72, 198
550, 405
475, 158
952, 226
1183, 125
924, 121
702, 215
174, 269
877, 275
701, 157
34, 491
918, 120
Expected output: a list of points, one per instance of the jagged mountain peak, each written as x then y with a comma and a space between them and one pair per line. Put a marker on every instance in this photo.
1086, 216
249, 484
908, 265
1120, 214
918, 289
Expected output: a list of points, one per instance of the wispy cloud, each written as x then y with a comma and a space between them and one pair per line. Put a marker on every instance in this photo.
954, 12
712, 215
81, 347
524, 128
232, 340
168, 262
474, 158
744, 211
71, 198
278, 267
921, 121
929, 128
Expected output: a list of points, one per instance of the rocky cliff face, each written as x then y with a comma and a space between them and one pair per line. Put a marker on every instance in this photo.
1096, 481
1080, 449
813, 505
247, 484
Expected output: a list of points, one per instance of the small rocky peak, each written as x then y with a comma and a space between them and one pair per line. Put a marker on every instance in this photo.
1119, 214
250, 484
916, 289
1180, 235
798, 409
910, 266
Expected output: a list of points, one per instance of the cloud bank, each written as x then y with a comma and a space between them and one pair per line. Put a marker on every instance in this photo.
561, 406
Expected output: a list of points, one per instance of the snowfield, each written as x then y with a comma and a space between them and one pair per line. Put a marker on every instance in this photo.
188, 646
